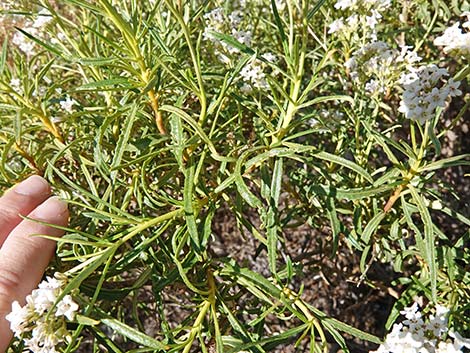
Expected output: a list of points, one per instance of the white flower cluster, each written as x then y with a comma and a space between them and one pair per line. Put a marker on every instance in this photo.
6, 5
377, 66
415, 335
253, 74
41, 321
454, 40
68, 104
365, 15
34, 28
15, 84
218, 21
424, 91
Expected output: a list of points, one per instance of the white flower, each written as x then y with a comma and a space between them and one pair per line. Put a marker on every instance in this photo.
403, 339
412, 312
39, 323
246, 88
34, 344
453, 87
67, 307
410, 78
352, 21
270, 57
215, 17
336, 26
437, 325
243, 37
408, 56
46, 334
436, 98
44, 17
447, 347
26, 45
43, 299
215, 21
372, 20
253, 74
454, 40
19, 318
425, 91
344, 4
51, 283
374, 87
350, 64
235, 18
459, 340
68, 104
15, 84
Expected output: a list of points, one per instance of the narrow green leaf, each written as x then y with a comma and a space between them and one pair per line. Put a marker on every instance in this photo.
435, 141
343, 327
335, 224
335, 98
429, 237
280, 27
245, 192
225, 184
87, 321
3, 56
133, 334
456, 215
276, 184
107, 85
122, 25
9, 107
271, 342
446, 163
271, 232
239, 328
77, 188
189, 211
315, 9
176, 131
364, 255
372, 227
89, 266
345, 163
124, 136
193, 123
353, 193
231, 41
50, 48
84, 4
98, 61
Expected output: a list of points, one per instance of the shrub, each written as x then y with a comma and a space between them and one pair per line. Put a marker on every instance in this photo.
153, 118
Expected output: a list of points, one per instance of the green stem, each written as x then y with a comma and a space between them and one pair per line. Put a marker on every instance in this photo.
297, 71
303, 308
194, 58
145, 225
197, 326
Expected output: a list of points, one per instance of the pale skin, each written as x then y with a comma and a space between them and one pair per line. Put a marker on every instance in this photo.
23, 256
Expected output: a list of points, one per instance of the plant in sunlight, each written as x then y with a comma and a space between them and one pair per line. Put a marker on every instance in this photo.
175, 129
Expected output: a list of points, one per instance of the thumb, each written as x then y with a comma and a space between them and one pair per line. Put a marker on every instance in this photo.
23, 258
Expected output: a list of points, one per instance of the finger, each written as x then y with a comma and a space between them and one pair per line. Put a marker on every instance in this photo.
23, 258
21, 200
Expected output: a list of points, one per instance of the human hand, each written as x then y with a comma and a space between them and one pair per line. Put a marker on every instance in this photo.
23, 258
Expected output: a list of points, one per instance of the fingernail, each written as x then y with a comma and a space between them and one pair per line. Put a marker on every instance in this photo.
33, 186
50, 209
